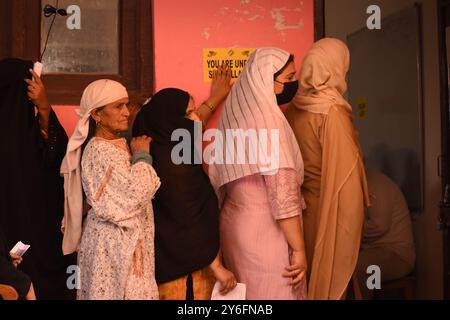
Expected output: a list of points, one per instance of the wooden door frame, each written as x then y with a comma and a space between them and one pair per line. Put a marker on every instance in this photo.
319, 19
20, 25
444, 160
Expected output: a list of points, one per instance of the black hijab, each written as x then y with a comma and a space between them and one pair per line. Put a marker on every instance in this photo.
31, 190
185, 206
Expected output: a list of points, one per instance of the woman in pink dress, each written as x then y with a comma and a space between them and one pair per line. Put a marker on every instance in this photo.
261, 223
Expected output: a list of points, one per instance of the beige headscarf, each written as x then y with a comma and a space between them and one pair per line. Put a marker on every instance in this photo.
98, 94
322, 78
334, 229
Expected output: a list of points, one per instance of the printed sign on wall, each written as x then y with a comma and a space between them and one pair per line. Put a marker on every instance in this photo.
362, 108
235, 58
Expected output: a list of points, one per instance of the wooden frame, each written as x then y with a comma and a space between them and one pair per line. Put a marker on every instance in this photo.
21, 20
319, 19
444, 161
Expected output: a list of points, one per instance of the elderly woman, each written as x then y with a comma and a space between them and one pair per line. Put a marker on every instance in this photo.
187, 238
260, 221
335, 186
116, 254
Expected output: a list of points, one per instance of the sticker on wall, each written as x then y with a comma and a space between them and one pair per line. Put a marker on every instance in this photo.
235, 58
362, 108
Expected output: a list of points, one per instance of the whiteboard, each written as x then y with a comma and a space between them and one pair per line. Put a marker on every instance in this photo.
386, 94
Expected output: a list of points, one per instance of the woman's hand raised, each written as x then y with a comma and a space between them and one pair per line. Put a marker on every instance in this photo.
221, 85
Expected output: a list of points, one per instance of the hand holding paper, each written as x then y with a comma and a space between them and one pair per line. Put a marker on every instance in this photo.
238, 293
37, 67
19, 249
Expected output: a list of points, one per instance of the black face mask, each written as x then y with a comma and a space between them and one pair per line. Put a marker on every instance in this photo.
289, 92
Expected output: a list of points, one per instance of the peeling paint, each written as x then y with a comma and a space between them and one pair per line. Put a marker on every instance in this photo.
238, 13
224, 10
280, 19
285, 18
244, 12
206, 33
256, 17
260, 8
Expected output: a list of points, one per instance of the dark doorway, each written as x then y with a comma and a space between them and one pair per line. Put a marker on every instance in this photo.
444, 161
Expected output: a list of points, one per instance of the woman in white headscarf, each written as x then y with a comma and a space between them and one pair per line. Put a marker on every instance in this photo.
115, 247
259, 190
335, 187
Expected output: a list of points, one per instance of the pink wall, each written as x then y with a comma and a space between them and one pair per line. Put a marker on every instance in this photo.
183, 28
67, 117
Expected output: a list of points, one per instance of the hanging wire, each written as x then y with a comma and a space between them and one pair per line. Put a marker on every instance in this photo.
49, 31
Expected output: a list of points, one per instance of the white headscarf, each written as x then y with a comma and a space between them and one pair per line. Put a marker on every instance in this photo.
98, 94
322, 77
252, 104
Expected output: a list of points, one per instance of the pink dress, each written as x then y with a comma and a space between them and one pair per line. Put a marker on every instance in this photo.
253, 245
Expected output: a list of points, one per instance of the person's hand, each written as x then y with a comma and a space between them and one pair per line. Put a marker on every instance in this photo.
36, 92
141, 143
221, 85
297, 270
16, 260
225, 277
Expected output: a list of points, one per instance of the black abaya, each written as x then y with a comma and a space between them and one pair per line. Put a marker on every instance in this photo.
31, 189
186, 208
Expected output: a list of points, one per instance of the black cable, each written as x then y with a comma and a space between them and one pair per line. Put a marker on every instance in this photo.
49, 31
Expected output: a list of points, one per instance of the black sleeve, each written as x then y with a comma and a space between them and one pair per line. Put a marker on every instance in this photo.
54, 149
11, 277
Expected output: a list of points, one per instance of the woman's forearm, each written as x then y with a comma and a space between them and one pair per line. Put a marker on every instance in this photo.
204, 113
293, 233
217, 263
220, 87
44, 119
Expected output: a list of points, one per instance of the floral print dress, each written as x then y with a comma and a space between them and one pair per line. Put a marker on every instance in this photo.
116, 256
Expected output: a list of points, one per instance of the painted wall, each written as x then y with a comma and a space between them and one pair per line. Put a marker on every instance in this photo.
183, 28
343, 17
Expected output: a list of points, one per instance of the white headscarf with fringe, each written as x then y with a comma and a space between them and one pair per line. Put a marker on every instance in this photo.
98, 94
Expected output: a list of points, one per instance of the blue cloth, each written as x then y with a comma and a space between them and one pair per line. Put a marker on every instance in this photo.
141, 156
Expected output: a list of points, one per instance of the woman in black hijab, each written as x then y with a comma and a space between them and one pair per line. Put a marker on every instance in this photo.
187, 240
32, 146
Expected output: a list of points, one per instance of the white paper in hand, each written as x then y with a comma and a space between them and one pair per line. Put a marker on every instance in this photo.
20, 249
238, 293
38, 68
